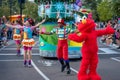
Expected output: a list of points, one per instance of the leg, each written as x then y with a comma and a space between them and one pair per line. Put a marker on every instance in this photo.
18, 47
82, 74
65, 56
93, 67
59, 53
60, 58
25, 56
29, 56
118, 43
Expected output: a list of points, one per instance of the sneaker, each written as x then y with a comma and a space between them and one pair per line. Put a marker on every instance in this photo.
29, 65
25, 63
68, 71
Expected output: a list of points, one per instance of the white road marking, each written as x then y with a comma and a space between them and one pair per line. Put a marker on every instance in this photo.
107, 50
12, 54
115, 59
10, 60
21, 48
102, 53
74, 70
39, 71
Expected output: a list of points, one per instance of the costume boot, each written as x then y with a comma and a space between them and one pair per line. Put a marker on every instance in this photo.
68, 67
63, 66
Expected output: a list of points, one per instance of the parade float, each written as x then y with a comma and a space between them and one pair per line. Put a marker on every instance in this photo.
68, 11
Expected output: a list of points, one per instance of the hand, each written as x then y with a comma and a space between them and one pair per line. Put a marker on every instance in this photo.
41, 32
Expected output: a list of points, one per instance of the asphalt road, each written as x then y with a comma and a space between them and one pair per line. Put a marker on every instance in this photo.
11, 66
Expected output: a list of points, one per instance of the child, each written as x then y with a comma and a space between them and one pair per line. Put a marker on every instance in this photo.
17, 36
62, 49
28, 41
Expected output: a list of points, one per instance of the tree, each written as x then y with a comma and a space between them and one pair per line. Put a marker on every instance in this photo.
105, 11
116, 8
31, 9
5, 7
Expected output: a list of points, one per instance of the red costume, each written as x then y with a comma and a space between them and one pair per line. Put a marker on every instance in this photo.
90, 48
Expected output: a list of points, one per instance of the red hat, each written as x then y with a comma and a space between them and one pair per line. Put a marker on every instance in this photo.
61, 21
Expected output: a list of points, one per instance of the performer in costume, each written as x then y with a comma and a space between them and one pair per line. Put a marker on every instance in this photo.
62, 47
28, 41
17, 34
88, 35
17, 37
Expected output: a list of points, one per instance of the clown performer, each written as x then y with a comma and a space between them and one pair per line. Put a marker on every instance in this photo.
62, 47
88, 35
27, 41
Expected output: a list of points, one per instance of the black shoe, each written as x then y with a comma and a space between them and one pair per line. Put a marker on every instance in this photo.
68, 71
63, 68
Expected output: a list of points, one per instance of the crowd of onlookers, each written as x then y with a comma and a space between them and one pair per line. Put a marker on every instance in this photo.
113, 38
5, 33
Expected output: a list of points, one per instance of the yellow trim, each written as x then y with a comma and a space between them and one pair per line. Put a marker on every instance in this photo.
25, 35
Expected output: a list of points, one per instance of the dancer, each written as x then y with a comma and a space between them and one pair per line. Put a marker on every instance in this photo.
28, 41
88, 35
17, 36
62, 48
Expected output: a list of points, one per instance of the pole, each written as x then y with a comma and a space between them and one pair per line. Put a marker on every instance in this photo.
21, 9
10, 3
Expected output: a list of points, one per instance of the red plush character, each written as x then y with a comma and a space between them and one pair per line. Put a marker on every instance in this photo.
88, 35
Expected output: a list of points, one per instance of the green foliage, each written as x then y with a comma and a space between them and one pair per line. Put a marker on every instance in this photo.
4, 11
105, 11
116, 8
30, 10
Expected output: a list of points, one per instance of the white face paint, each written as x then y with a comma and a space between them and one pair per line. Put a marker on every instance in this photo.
84, 17
78, 19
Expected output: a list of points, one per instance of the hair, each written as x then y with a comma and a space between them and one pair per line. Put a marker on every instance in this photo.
19, 22
31, 21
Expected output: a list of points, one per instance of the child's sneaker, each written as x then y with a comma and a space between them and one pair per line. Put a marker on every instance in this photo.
25, 63
29, 65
